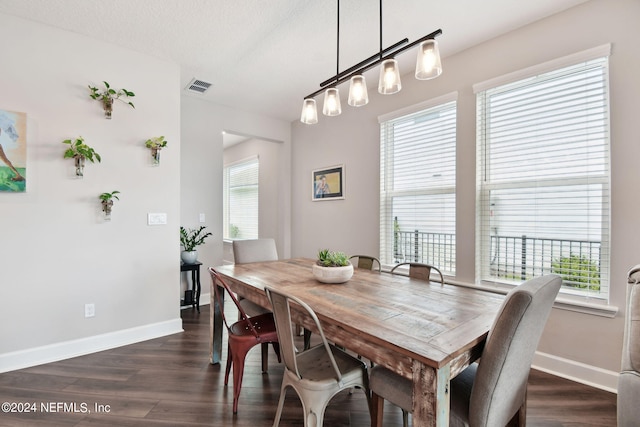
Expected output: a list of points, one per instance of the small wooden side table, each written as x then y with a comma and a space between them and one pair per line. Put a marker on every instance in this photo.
195, 281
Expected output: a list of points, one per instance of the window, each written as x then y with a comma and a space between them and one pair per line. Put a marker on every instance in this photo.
543, 177
241, 197
418, 185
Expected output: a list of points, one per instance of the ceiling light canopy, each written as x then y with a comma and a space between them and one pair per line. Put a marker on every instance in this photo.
428, 66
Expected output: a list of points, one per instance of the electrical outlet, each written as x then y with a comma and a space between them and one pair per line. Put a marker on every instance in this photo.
202, 217
89, 310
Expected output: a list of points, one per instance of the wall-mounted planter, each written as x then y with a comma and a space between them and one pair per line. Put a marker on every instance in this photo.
155, 144
79, 162
79, 152
108, 95
107, 203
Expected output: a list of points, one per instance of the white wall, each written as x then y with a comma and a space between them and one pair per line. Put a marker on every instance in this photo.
57, 253
271, 162
576, 345
202, 160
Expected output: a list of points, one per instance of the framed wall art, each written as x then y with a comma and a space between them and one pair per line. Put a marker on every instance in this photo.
13, 151
328, 183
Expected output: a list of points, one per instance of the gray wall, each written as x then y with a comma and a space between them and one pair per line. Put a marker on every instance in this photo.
575, 344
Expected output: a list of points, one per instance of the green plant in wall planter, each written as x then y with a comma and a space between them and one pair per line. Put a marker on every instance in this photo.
79, 151
190, 239
107, 203
156, 144
108, 95
332, 267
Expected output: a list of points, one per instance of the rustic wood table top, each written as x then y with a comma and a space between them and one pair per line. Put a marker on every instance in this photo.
425, 331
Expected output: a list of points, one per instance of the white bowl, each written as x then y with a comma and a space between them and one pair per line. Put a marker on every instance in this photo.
332, 274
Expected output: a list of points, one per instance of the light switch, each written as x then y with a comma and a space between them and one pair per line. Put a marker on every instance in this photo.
156, 218
201, 217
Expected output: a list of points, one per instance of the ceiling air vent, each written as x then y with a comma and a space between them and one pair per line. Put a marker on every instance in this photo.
198, 86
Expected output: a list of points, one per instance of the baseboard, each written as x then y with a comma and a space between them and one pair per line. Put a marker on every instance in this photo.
576, 371
68, 349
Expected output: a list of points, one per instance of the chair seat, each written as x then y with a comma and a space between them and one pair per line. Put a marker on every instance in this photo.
392, 387
264, 324
317, 372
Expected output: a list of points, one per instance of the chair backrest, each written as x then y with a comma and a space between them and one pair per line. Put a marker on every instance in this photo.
281, 305
629, 379
217, 281
254, 250
419, 270
499, 388
367, 262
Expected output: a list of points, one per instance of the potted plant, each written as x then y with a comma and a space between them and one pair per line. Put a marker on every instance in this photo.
332, 267
107, 203
79, 151
108, 95
156, 144
190, 239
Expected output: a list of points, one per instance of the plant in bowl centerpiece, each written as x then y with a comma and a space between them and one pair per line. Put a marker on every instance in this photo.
79, 152
156, 144
190, 239
108, 95
332, 267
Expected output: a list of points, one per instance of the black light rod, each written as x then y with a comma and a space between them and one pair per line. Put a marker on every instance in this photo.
365, 62
377, 62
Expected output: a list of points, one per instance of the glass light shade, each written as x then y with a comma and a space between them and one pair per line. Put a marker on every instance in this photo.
428, 65
389, 77
331, 105
309, 113
358, 95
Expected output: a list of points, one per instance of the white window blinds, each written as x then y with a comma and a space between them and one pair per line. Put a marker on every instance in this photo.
543, 179
418, 187
241, 197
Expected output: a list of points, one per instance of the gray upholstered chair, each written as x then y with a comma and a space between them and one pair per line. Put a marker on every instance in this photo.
255, 250
492, 392
316, 374
418, 270
629, 379
367, 262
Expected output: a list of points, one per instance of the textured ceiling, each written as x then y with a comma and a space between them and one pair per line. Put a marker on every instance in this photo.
265, 56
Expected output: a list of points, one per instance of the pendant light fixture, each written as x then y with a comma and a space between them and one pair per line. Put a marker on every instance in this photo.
331, 105
309, 114
428, 66
358, 95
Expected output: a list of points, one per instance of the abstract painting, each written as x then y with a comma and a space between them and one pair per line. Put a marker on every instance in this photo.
13, 151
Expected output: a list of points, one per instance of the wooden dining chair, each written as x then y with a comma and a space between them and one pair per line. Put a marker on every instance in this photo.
417, 270
316, 374
492, 392
255, 250
367, 262
243, 335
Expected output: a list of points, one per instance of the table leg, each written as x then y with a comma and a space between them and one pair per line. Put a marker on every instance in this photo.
193, 288
216, 326
198, 289
430, 395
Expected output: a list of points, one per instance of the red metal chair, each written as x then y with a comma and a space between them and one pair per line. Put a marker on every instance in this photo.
244, 334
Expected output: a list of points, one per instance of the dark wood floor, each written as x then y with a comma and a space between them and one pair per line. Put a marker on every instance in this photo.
168, 381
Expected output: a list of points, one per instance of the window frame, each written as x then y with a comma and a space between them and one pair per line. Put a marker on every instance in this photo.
386, 174
483, 203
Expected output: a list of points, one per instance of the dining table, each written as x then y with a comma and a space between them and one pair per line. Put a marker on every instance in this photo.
425, 331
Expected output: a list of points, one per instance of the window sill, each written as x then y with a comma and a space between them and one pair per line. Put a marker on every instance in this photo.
563, 302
